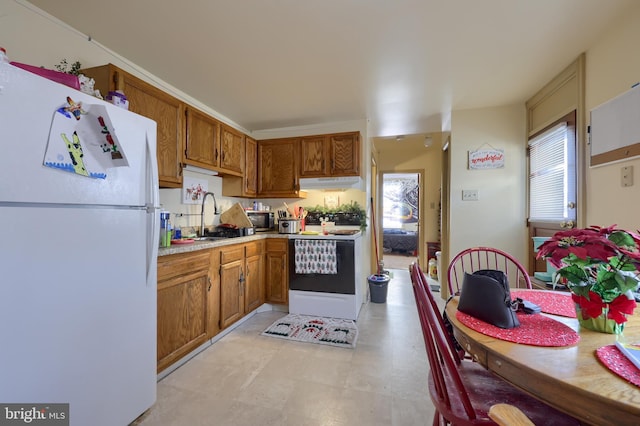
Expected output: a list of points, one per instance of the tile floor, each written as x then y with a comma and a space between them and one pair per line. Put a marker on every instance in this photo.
249, 379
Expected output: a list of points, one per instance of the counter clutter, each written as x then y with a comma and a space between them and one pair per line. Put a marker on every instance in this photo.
177, 247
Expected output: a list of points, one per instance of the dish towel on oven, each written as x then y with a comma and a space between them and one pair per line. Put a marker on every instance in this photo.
315, 256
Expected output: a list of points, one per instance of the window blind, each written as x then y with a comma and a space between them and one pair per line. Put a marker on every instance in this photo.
551, 175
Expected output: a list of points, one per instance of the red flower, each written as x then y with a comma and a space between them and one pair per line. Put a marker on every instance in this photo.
583, 243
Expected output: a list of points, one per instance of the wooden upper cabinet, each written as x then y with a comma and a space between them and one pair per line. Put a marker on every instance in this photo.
314, 156
202, 142
330, 155
250, 166
151, 102
278, 168
231, 150
247, 184
344, 154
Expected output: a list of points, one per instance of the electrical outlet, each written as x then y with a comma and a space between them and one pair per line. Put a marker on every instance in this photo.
627, 176
469, 195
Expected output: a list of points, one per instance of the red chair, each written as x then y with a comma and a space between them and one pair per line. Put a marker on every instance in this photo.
475, 258
463, 392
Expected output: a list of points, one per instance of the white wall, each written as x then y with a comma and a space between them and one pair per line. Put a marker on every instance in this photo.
497, 218
34, 37
613, 65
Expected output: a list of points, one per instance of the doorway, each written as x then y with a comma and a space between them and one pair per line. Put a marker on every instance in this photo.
400, 219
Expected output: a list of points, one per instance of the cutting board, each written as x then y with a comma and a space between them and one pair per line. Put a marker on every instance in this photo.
236, 215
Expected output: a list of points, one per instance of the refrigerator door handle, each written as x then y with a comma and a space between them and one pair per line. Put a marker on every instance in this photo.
153, 207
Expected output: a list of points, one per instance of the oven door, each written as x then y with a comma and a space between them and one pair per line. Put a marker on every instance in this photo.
343, 282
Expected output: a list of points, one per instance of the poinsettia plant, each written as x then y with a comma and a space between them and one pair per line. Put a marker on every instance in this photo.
600, 266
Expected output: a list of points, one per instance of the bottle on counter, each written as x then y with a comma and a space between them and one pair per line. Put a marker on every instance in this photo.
3, 55
433, 269
165, 229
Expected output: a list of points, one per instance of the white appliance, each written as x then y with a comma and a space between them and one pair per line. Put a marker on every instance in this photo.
338, 182
78, 262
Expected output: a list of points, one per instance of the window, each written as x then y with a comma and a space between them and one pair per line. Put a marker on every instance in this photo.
552, 173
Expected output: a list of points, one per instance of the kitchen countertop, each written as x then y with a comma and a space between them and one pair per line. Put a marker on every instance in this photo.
203, 245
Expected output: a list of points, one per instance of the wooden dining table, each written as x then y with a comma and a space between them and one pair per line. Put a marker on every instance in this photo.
569, 378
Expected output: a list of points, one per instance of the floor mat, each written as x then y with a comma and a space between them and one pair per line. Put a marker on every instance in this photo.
313, 329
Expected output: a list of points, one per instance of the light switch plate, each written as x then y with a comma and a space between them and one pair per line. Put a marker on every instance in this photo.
626, 176
469, 195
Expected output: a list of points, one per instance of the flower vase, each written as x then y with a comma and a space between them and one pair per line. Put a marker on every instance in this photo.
600, 323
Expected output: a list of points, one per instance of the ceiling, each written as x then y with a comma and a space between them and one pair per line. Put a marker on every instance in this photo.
402, 64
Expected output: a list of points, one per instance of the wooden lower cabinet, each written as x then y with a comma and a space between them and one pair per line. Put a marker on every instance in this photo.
183, 293
276, 271
254, 276
231, 282
202, 292
241, 281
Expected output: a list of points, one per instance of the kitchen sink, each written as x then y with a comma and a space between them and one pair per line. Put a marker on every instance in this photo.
209, 238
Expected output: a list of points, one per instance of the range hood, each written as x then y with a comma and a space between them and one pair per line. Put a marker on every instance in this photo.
196, 169
340, 182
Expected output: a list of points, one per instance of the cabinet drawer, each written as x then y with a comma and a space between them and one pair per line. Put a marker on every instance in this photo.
231, 254
178, 264
254, 249
277, 244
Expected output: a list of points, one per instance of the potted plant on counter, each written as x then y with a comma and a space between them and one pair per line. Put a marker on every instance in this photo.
344, 214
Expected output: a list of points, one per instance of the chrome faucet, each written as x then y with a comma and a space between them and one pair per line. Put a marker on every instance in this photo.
215, 210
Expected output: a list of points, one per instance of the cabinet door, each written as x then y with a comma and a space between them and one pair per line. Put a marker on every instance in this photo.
183, 289
276, 276
344, 152
231, 150
278, 168
202, 143
250, 167
168, 113
254, 275
213, 300
231, 293
313, 156
253, 294
247, 184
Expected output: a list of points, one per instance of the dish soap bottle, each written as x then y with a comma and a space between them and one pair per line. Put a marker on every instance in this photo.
433, 269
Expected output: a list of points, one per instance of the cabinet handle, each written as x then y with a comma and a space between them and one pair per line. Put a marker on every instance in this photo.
216, 154
209, 279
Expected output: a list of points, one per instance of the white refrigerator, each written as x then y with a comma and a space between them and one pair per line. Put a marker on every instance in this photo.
78, 252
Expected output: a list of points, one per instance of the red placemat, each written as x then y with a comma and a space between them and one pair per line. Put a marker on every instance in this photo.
535, 330
550, 302
613, 359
